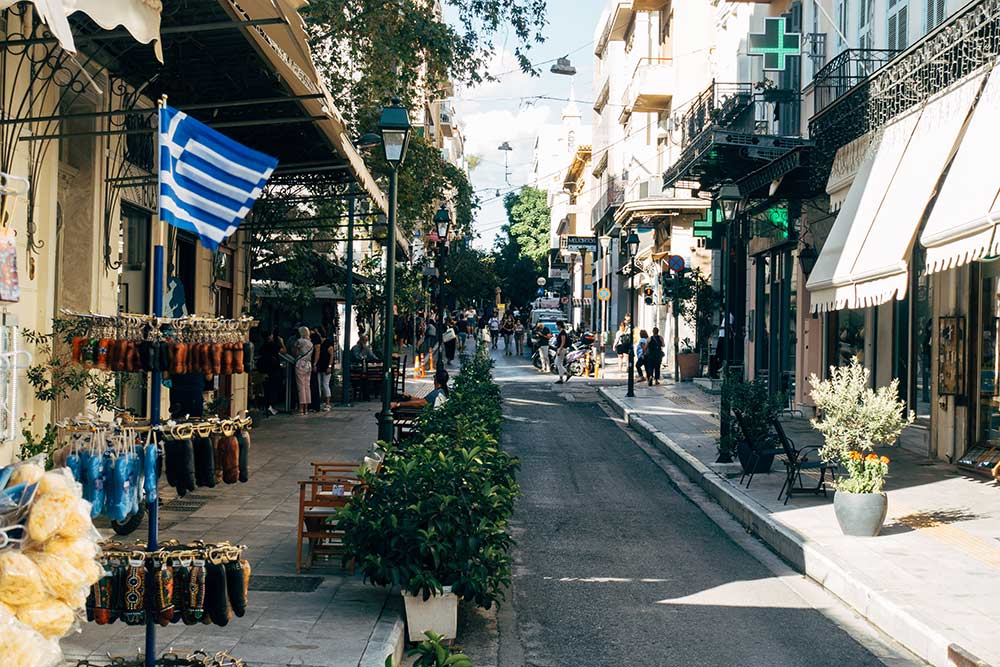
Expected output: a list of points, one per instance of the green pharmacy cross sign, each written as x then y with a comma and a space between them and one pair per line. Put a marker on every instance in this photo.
703, 228
775, 44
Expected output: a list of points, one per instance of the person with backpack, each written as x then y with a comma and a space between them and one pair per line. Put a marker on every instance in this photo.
640, 353
654, 356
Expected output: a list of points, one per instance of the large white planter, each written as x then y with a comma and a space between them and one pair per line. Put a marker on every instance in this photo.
438, 613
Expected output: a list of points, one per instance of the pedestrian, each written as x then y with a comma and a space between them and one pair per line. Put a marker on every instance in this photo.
470, 323
324, 369
450, 339
316, 338
640, 352
507, 331
434, 398
543, 335
519, 337
431, 334
461, 328
562, 347
654, 356
269, 363
623, 341
494, 325
302, 351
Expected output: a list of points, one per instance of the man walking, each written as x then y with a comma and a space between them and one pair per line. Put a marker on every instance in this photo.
543, 336
562, 347
494, 331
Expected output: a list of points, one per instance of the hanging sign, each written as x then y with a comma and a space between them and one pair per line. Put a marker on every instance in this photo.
775, 44
10, 288
588, 243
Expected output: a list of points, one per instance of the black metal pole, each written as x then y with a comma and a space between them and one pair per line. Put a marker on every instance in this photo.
385, 418
725, 449
348, 299
631, 347
441, 252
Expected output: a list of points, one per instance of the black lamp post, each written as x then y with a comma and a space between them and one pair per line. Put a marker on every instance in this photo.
728, 200
442, 225
632, 244
394, 126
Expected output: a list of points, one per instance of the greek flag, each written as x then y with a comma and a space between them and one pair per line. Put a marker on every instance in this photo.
208, 182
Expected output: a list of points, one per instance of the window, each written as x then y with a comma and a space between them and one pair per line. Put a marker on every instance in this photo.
571, 139
865, 40
666, 15
933, 14
841, 22
898, 19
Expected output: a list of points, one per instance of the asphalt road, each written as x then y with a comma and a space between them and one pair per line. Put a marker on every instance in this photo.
615, 567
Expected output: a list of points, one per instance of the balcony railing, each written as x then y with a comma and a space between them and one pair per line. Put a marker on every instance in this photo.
612, 195
844, 72
742, 107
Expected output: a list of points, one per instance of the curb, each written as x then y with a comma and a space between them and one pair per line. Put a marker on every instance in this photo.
387, 638
805, 556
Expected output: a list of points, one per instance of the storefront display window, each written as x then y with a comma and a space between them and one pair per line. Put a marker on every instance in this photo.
847, 329
923, 331
985, 454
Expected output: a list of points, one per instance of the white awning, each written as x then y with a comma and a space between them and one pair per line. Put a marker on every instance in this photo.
845, 167
960, 228
881, 269
831, 281
140, 17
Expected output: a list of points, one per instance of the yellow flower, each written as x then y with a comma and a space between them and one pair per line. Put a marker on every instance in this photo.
855, 456
884, 459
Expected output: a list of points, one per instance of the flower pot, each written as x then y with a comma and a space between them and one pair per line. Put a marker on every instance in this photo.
689, 364
745, 454
860, 514
438, 613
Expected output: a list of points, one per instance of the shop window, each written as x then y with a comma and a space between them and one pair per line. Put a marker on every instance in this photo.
923, 332
847, 337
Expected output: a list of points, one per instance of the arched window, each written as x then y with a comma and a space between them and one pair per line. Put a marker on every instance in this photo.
571, 139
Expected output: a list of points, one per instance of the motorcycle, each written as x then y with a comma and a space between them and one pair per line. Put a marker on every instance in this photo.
576, 358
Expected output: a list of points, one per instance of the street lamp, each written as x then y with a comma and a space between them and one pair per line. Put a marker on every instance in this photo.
442, 224
394, 126
632, 244
728, 200
602, 309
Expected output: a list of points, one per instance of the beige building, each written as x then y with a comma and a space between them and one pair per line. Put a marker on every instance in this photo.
85, 139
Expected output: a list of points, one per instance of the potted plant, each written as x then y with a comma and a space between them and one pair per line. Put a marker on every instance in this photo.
854, 419
688, 360
757, 407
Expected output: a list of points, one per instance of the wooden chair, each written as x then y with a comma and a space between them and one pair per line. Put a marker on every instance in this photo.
320, 500
405, 421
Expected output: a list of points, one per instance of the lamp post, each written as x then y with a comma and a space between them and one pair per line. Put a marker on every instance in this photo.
605, 243
728, 200
442, 224
394, 126
632, 244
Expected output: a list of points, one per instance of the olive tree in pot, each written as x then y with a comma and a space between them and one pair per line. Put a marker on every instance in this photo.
854, 419
433, 521
697, 304
757, 406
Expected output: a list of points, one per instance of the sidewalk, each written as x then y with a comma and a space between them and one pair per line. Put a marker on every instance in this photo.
931, 580
323, 617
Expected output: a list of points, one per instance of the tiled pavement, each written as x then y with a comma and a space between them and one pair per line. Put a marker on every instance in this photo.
931, 580
329, 626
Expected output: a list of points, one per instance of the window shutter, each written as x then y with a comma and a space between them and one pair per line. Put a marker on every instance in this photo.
893, 44
902, 24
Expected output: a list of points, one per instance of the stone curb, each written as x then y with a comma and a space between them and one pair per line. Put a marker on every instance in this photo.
388, 636
805, 556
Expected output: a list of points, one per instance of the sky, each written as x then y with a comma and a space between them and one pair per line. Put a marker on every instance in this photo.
509, 109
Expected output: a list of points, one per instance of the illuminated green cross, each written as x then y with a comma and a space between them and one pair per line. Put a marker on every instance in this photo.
775, 44
703, 228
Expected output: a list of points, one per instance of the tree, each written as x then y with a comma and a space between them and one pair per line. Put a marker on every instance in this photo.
528, 214
470, 276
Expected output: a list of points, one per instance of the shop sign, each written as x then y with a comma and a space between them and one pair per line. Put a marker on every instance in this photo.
578, 243
775, 44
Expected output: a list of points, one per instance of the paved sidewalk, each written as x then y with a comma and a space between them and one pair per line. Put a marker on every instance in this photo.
336, 621
931, 580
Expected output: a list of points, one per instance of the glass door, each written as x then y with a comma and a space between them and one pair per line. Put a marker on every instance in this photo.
984, 455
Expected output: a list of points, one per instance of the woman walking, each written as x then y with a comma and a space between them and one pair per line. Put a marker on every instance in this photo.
507, 331
654, 356
623, 340
450, 340
519, 337
640, 353
302, 351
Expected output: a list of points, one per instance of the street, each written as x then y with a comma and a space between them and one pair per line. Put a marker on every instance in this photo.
615, 566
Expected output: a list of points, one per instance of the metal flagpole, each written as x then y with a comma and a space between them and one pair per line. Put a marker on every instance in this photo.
156, 384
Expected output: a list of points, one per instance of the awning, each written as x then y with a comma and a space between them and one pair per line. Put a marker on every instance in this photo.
831, 281
140, 17
961, 225
881, 269
585, 301
846, 164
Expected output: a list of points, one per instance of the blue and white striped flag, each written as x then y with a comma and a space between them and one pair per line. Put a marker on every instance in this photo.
208, 182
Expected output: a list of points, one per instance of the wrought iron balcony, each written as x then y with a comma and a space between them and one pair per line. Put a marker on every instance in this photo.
845, 71
967, 41
612, 195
